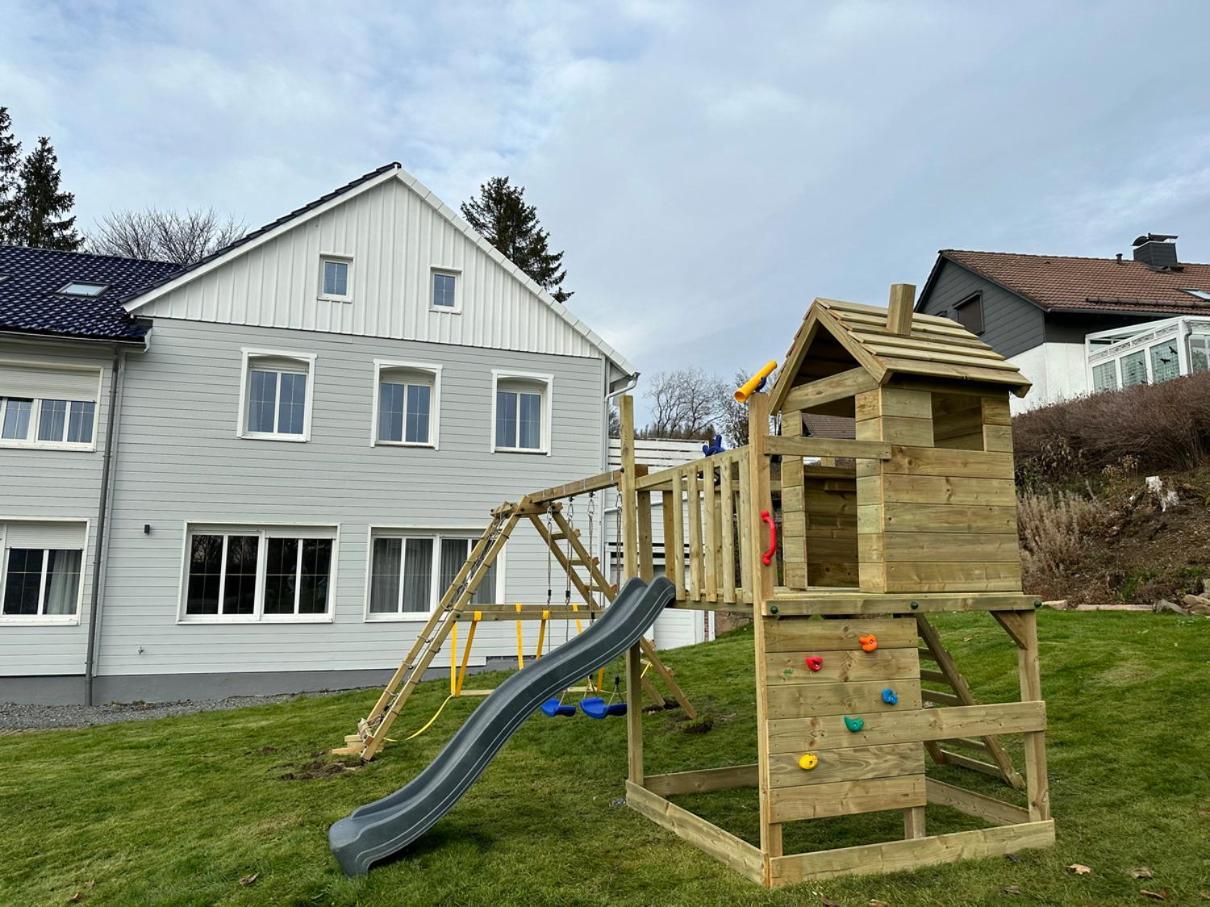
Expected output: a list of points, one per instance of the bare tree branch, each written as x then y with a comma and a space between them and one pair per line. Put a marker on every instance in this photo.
181, 237
684, 404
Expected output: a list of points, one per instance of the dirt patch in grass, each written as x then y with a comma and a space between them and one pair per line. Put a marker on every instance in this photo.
316, 768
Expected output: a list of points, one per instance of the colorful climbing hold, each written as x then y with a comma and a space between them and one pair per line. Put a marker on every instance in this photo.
869, 642
808, 761
854, 724
890, 697
814, 662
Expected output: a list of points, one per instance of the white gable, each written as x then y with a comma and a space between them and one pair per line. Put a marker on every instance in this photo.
395, 232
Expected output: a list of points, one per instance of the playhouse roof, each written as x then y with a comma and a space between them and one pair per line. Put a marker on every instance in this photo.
934, 348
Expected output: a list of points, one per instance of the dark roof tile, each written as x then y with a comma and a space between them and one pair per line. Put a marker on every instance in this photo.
30, 301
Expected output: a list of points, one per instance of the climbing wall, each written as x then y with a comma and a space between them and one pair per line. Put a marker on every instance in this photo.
858, 713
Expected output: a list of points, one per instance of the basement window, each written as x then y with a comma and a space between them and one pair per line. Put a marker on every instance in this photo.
80, 288
969, 313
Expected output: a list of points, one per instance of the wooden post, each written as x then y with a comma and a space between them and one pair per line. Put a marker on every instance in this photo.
1037, 786
628, 514
760, 498
899, 309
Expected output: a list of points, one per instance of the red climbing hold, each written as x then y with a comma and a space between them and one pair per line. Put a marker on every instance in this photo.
814, 662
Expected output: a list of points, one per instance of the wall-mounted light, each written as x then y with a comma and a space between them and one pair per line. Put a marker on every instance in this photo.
146, 529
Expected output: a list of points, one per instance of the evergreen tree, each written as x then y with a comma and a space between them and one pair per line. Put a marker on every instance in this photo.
502, 217
10, 169
41, 206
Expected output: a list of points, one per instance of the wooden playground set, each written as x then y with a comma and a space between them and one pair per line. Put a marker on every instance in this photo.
840, 551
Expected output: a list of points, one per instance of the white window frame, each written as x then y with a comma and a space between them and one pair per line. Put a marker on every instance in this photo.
548, 381
436, 533
98, 287
250, 354
264, 531
43, 620
428, 368
455, 273
36, 416
347, 260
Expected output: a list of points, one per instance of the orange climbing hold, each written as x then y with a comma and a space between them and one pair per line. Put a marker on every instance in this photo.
869, 642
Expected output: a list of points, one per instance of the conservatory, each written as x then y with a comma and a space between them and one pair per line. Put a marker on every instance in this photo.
1147, 353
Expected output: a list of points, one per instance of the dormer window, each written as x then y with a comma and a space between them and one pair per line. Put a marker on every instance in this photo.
80, 288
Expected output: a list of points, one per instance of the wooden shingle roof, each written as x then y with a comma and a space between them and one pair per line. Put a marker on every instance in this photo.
935, 348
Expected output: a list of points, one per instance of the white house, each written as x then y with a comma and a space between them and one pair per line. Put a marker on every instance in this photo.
1075, 326
256, 473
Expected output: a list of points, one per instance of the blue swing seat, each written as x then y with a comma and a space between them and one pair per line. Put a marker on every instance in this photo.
553, 707
596, 707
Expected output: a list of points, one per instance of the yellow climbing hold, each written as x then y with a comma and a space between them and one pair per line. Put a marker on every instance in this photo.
808, 761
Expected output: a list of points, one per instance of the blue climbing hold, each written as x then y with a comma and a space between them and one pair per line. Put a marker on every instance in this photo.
890, 697
854, 724
714, 447
553, 707
596, 707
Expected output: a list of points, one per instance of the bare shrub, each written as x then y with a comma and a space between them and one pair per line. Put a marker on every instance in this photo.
1055, 529
1145, 428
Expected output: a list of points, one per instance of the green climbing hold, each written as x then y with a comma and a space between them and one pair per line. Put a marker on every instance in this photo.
854, 724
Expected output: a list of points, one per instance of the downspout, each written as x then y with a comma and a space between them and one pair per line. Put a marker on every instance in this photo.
627, 385
98, 571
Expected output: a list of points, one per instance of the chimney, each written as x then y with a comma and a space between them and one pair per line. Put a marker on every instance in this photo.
1155, 250
899, 310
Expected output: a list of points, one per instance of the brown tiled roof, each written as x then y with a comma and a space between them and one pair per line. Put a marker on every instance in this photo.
1068, 284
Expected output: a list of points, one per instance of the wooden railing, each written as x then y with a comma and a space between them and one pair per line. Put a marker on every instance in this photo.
701, 505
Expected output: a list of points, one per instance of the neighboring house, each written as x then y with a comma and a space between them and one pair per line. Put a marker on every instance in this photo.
1078, 325
257, 473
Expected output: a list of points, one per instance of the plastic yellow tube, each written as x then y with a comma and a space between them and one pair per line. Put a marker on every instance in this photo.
748, 388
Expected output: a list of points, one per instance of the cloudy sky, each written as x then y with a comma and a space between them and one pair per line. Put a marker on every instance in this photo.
709, 168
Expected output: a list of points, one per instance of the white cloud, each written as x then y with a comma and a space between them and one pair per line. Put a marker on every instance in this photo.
708, 167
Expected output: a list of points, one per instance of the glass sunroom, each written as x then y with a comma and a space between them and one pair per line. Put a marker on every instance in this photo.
1147, 353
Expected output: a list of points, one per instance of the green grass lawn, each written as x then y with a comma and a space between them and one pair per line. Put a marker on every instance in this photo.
178, 811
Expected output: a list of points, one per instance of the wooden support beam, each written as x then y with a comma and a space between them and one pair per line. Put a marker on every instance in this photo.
978, 805
827, 390
581, 486
702, 781
634, 655
723, 846
826, 447
790, 602
899, 856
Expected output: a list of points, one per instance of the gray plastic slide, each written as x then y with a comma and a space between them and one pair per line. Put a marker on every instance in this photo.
381, 828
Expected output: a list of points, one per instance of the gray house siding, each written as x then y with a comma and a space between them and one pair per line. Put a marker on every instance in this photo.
1010, 324
179, 461
53, 485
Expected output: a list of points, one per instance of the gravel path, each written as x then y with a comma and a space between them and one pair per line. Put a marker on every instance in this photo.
15, 718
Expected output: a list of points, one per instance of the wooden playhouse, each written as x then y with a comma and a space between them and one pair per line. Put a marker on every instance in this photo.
915, 516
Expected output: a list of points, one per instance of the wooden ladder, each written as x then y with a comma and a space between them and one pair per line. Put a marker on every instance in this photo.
595, 581
372, 730
959, 694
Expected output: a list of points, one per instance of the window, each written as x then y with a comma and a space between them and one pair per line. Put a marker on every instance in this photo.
410, 572
969, 313
334, 278
47, 423
276, 396
521, 413
81, 288
445, 291
1164, 363
406, 403
258, 574
1199, 352
1105, 376
1134, 368
41, 582
1200, 294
